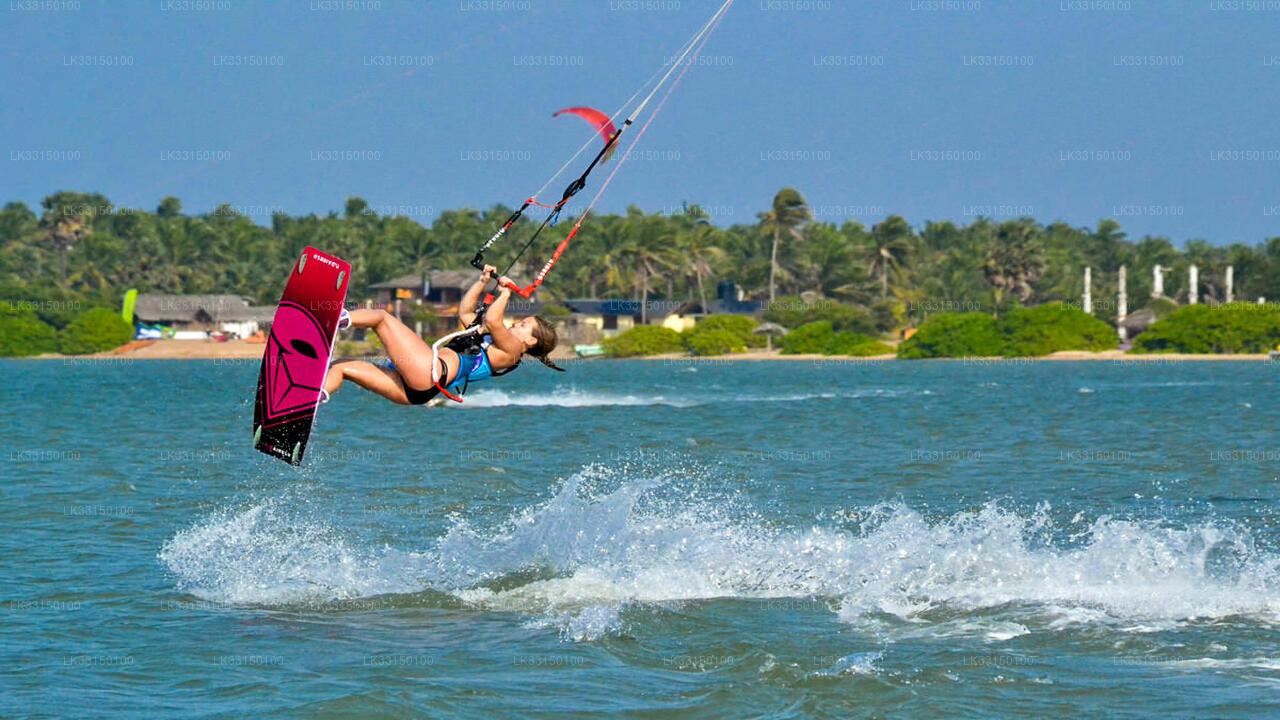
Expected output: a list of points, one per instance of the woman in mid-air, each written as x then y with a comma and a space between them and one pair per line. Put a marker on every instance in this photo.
409, 380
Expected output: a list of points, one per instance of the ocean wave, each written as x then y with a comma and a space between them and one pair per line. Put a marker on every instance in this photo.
268, 555
568, 399
607, 540
574, 398
1253, 663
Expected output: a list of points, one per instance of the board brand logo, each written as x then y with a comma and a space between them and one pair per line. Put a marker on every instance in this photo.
324, 260
295, 362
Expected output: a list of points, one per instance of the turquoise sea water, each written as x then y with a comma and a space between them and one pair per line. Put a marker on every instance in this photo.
648, 539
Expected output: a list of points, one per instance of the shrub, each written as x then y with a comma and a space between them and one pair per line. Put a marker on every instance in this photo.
954, 335
714, 342
94, 331
847, 343
817, 338
1161, 307
794, 312
1234, 328
52, 306
1053, 327
807, 339
643, 340
739, 326
1022, 332
22, 334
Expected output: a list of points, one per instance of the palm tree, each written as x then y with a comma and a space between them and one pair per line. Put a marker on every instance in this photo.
355, 207
1110, 250
606, 266
650, 254
790, 211
651, 264
1014, 260
892, 242
68, 219
241, 253
700, 254
829, 266
412, 242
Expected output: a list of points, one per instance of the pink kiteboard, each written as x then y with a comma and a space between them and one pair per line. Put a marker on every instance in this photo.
297, 354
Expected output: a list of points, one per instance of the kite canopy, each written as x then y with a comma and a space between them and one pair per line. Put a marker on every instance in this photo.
602, 123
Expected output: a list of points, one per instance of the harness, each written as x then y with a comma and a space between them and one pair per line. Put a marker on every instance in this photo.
473, 360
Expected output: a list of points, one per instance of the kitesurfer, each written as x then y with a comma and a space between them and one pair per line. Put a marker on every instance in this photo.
493, 349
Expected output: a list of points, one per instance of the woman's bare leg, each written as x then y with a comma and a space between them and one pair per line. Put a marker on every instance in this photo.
410, 353
382, 381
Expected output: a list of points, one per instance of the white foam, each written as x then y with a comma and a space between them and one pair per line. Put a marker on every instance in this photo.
1257, 663
567, 398
854, 664
591, 623
1138, 575
264, 556
575, 398
611, 537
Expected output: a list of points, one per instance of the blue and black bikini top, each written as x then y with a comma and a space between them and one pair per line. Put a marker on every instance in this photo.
473, 361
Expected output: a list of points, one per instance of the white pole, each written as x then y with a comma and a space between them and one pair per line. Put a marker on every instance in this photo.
1122, 307
1194, 281
1231, 284
1088, 290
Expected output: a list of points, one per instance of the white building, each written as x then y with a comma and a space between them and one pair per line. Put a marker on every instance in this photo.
197, 315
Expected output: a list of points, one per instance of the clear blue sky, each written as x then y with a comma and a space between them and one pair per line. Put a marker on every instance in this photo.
1163, 114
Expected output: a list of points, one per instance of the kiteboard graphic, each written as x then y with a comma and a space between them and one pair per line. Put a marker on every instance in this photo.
297, 355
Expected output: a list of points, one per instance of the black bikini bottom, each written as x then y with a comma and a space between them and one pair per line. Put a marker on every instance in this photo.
422, 397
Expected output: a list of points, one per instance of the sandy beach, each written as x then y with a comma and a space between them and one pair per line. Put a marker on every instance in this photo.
239, 349
190, 349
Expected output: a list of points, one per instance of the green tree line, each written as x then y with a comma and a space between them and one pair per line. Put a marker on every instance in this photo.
79, 246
